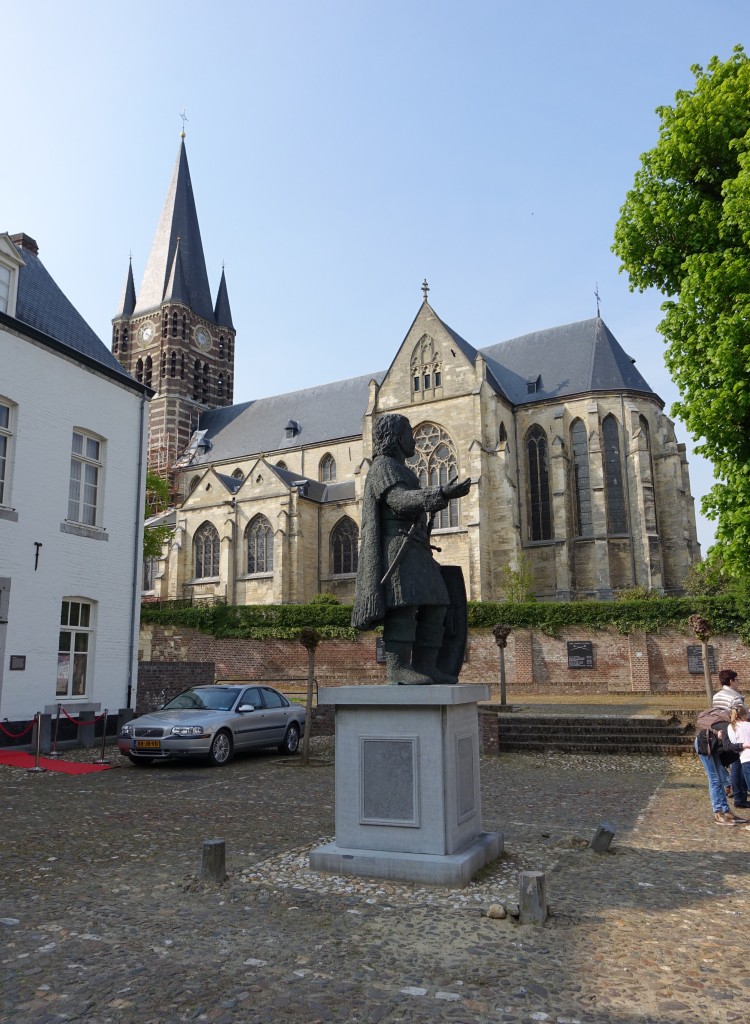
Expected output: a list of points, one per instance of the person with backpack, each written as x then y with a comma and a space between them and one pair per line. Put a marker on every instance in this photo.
728, 698
716, 751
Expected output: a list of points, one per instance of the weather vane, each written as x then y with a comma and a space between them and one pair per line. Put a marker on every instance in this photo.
425, 289
183, 115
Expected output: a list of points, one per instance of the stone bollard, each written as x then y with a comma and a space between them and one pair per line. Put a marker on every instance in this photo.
602, 838
213, 861
532, 901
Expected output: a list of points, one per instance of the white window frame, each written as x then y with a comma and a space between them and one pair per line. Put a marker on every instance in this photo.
7, 428
86, 473
10, 261
75, 648
6, 285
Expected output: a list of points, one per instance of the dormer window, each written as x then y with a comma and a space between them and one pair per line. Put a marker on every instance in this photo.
10, 260
533, 385
292, 428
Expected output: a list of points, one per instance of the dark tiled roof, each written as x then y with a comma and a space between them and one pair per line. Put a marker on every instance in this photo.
127, 305
570, 360
179, 220
222, 312
42, 305
324, 413
314, 489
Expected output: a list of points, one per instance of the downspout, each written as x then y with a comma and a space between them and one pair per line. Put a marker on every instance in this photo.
135, 610
627, 493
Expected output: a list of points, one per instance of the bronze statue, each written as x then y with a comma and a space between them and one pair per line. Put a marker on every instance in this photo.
399, 583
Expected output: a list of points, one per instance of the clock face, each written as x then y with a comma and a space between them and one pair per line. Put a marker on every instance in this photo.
203, 338
145, 332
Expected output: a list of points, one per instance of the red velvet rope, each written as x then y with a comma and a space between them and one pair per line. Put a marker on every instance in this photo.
78, 720
17, 735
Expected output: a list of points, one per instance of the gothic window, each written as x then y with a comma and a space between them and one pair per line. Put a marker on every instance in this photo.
173, 365
165, 325
139, 371
649, 498
197, 380
426, 367
281, 465
148, 371
540, 510
584, 525
230, 387
344, 547
150, 570
238, 474
184, 327
193, 484
116, 343
613, 477
124, 346
502, 434
435, 463
174, 325
164, 364
230, 348
220, 386
327, 469
182, 366
221, 346
259, 540
206, 551
204, 388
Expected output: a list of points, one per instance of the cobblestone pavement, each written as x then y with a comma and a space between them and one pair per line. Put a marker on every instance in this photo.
103, 919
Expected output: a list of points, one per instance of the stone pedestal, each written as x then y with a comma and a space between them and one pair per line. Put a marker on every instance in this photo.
408, 802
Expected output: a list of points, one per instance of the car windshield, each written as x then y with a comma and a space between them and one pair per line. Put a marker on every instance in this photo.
206, 698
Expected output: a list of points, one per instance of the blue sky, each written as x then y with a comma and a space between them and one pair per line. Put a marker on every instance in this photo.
343, 151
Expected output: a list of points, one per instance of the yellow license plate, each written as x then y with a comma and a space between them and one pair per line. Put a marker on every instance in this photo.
147, 744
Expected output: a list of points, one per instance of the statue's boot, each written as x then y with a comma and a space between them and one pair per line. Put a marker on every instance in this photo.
399, 671
424, 659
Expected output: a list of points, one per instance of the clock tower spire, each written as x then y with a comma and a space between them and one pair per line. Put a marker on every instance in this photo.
169, 334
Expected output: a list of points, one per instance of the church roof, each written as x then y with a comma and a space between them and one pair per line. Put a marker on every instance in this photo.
42, 305
127, 305
307, 417
179, 222
563, 361
222, 312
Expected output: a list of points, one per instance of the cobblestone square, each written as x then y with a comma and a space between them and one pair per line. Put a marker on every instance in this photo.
104, 920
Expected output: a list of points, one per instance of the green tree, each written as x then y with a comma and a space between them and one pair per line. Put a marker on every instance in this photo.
158, 499
685, 229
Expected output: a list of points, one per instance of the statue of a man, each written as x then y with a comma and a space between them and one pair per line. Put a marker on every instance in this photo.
399, 583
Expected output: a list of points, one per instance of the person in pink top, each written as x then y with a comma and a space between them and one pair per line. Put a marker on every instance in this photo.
739, 732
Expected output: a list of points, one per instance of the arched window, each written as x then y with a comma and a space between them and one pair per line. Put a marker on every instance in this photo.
164, 324
139, 371
221, 346
116, 344
220, 386
197, 380
327, 469
502, 434
206, 550
204, 387
426, 367
230, 387
584, 524
434, 462
173, 364
174, 325
238, 474
281, 464
182, 366
649, 484
616, 518
259, 540
164, 364
540, 511
148, 371
193, 484
124, 339
344, 547
184, 326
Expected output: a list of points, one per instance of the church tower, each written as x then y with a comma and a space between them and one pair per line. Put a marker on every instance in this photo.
169, 335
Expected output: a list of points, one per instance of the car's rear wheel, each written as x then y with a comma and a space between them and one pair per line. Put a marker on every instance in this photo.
290, 743
140, 762
221, 749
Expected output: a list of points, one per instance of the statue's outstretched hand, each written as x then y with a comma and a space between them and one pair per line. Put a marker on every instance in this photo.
456, 488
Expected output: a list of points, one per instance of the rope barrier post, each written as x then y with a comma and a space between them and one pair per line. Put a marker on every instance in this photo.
53, 752
102, 759
37, 767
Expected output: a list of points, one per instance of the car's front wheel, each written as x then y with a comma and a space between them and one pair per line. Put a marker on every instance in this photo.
290, 743
221, 749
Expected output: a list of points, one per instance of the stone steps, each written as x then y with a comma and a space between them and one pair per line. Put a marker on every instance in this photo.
597, 735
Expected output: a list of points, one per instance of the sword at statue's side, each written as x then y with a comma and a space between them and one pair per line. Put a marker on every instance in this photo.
400, 553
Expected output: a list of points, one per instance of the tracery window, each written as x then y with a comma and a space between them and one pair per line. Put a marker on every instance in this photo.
206, 551
613, 477
344, 547
327, 469
584, 524
649, 483
540, 510
435, 463
259, 541
426, 367
139, 371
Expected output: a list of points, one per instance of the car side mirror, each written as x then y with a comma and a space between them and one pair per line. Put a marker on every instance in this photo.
246, 707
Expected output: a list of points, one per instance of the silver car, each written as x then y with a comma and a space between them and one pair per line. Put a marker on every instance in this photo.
213, 722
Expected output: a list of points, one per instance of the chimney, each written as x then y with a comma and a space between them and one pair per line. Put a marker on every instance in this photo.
22, 241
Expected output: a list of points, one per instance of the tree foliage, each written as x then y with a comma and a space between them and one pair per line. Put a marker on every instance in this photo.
685, 229
158, 499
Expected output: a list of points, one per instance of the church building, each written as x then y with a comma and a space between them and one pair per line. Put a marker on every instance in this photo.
578, 480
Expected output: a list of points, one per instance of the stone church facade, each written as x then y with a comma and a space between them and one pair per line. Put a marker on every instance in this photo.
577, 475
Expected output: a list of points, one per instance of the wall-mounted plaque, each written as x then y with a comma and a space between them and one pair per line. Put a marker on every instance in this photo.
695, 659
17, 662
580, 654
380, 651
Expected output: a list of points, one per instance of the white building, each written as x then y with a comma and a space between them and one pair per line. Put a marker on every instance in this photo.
72, 477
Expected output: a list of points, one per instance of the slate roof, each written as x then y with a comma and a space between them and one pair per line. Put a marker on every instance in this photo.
324, 413
179, 220
42, 305
570, 360
222, 312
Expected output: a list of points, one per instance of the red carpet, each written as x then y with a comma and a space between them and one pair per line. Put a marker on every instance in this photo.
20, 759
